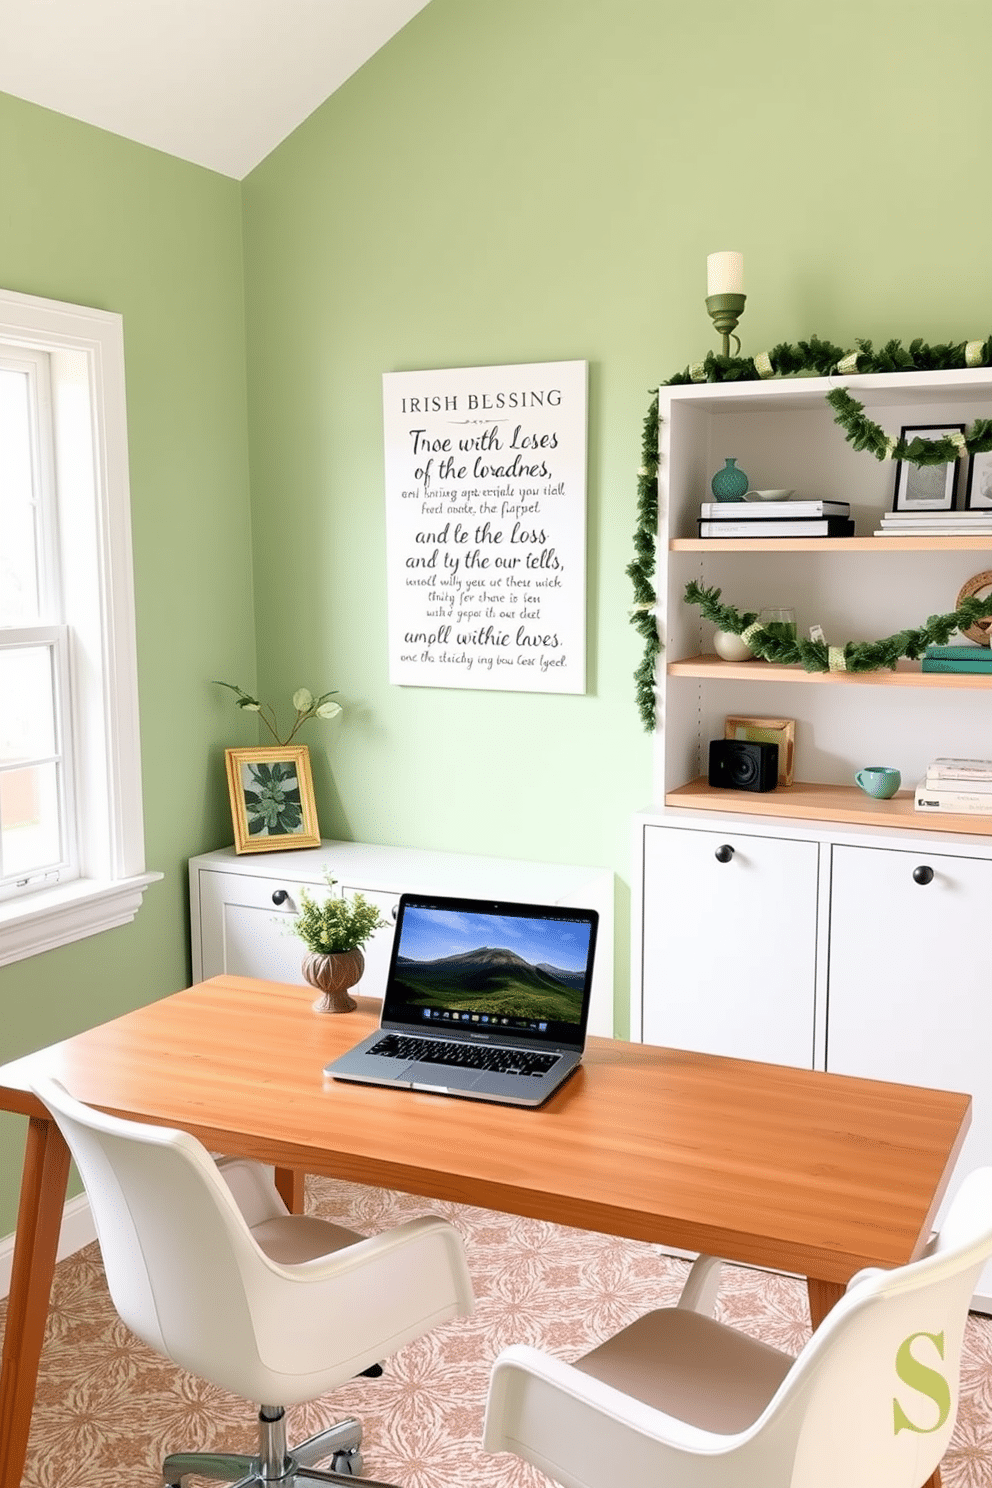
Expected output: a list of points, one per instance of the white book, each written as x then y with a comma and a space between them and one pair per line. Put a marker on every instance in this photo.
958, 783
779, 527
968, 803
941, 522
947, 768
959, 518
756, 510
933, 531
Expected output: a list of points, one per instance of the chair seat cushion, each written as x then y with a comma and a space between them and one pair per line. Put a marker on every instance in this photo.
692, 1368
291, 1239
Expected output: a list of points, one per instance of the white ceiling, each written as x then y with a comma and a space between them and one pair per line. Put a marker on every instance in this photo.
216, 82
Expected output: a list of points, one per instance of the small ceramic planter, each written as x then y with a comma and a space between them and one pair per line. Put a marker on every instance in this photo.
332, 975
730, 647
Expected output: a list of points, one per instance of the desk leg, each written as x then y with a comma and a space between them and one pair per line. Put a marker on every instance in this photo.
39, 1219
290, 1186
822, 1296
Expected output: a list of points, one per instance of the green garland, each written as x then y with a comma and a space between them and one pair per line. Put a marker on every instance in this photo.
863, 434
821, 359
641, 568
817, 656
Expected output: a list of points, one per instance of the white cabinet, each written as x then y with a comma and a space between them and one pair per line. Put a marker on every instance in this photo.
241, 906
910, 973
819, 945
730, 943
824, 928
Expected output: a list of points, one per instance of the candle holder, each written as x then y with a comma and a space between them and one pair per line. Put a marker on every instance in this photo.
725, 310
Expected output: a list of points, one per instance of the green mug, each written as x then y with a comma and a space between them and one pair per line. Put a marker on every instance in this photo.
880, 781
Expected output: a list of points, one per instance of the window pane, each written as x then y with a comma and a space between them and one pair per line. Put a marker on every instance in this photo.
18, 534
27, 717
29, 819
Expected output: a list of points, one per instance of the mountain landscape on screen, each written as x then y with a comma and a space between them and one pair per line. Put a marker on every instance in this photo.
498, 979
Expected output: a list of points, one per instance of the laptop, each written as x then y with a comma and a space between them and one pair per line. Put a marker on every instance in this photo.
484, 999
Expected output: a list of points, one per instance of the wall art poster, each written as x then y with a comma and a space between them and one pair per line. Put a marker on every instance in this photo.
485, 526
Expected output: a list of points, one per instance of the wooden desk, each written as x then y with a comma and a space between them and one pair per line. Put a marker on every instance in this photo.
805, 1172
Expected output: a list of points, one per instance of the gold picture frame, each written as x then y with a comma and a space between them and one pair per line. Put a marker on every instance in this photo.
780, 731
272, 804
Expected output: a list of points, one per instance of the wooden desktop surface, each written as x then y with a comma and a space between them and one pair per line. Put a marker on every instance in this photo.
793, 1169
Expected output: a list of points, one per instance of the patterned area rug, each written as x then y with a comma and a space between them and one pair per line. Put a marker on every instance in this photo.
108, 1410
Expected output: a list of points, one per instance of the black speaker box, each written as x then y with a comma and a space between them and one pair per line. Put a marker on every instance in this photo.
738, 764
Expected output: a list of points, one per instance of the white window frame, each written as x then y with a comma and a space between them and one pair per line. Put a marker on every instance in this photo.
86, 350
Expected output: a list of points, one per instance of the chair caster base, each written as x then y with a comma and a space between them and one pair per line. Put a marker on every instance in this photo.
349, 1464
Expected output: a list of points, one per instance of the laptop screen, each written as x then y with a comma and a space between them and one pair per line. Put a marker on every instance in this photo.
519, 973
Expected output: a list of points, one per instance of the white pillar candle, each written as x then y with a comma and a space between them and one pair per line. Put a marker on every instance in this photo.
724, 273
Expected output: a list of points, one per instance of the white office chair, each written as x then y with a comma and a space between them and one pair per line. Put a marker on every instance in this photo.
681, 1400
205, 1264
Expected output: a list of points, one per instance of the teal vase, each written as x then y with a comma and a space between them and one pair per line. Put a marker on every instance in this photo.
729, 484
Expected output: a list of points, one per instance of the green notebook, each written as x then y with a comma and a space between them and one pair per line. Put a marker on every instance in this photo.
958, 664
960, 653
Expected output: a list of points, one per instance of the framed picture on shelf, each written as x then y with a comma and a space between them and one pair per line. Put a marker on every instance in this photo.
926, 487
780, 731
978, 493
272, 804
977, 587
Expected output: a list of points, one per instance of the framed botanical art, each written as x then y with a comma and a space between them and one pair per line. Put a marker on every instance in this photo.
780, 731
926, 487
978, 494
272, 804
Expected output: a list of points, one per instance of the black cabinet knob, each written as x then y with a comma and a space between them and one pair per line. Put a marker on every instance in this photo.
724, 853
279, 896
923, 874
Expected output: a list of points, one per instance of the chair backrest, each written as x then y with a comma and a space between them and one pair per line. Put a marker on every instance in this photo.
177, 1252
873, 1397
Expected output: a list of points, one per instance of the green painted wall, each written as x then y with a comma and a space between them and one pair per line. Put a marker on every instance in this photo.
542, 179
91, 218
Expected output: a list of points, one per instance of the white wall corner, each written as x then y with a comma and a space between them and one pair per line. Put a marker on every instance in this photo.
77, 1231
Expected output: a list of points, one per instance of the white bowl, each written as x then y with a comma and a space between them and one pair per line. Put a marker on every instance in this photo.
768, 495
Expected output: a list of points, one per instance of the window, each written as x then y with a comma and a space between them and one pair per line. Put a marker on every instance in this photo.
37, 840
71, 838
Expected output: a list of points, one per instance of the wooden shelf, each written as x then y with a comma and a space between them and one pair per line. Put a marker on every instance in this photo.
974, 544
907, 674
839, 803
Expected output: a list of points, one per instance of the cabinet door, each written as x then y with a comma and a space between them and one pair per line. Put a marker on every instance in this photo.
730, 944
245, 926
910, 971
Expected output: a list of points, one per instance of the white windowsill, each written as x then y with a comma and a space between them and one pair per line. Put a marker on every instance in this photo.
54, 917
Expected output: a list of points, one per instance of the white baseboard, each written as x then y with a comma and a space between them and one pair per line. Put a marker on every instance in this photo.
77, 1231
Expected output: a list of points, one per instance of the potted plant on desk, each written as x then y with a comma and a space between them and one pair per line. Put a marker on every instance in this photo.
334, 932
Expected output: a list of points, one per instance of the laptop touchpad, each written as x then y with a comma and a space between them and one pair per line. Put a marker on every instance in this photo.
450, 1076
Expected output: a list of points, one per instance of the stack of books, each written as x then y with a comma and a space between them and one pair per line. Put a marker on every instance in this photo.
935, 524
977, 659
957, 785
775, 519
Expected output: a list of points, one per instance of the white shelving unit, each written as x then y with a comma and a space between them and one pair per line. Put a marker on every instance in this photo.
783, 434
812, 925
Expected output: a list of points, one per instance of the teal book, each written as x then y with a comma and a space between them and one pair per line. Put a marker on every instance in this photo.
958, 664
962, 653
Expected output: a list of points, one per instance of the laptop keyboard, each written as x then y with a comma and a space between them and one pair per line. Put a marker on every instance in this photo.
464, 1056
